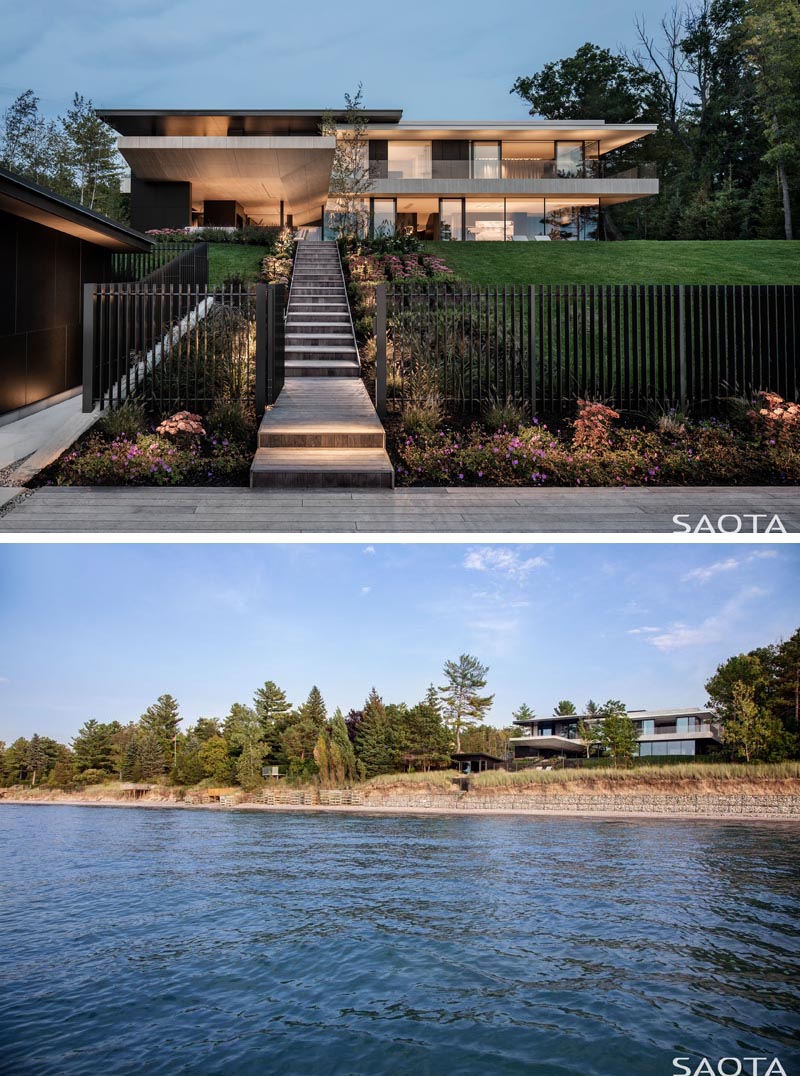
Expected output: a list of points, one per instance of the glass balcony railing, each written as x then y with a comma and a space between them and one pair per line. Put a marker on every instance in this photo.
507, 168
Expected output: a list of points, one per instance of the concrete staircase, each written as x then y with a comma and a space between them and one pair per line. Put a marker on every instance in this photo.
323, 430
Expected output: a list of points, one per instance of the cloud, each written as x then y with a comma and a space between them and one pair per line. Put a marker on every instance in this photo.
368, 549
712, 629
646, 629
729, 564
366, 590
502, 561
4, 680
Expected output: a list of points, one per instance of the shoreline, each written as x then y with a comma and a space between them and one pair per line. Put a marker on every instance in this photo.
391, 810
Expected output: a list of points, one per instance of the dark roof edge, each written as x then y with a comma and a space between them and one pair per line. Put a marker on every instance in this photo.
24, 190
102, 112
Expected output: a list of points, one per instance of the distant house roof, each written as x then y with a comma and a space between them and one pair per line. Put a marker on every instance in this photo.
22, 198
466, 756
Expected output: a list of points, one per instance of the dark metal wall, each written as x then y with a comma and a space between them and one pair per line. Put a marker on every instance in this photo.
160, 205
42, 273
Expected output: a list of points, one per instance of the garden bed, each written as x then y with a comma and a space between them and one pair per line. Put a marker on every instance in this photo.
132, 447
759, 447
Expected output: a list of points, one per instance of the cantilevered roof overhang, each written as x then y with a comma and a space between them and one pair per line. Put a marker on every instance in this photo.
22, 198
553, 743
610, 136
257, 171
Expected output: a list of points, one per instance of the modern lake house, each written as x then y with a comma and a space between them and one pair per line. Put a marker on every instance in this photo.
520, 180
688, 732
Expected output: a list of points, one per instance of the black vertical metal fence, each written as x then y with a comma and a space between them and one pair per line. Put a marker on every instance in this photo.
165, 263
545, 346
182, 346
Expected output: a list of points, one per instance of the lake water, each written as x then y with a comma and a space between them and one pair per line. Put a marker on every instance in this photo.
165, 941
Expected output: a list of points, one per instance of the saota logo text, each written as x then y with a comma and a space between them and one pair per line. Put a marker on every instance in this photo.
730, 524
728, 1066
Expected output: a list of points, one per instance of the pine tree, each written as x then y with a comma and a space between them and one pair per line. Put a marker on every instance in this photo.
244, 735
188, 768
94, 746
92, 154
374, 743
35, 760
426, 741
162, 719
151, 756
522, 714
274, 712
313, 709
131, 770
565, 708
463, 705
215, 760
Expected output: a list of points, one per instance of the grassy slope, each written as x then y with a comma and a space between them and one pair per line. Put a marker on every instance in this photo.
229, 259
735, 262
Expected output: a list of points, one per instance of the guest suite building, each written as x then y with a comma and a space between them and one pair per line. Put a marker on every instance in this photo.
520, 180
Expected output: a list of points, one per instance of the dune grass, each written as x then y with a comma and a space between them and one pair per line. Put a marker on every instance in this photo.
753, 261
643, 775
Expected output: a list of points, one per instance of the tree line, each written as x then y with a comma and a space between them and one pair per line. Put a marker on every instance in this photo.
720, 78
74, 155
755, 697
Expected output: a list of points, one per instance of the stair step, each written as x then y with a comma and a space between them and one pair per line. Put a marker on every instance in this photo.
322, 368
337, 468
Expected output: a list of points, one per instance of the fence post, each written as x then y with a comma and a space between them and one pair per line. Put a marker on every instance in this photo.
380, 350
271, 354
88, 348
261, 349
682, 345
532, 344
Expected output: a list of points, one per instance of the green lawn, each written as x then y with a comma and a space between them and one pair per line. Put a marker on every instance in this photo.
231, 259
753, 261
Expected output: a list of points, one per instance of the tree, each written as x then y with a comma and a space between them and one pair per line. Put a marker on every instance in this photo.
617, 734
206, 727
30, 145
313, 709
188, 768
162, 719
92, 154
150, 755
773, 45
421, 738
215, 760
15, 761
785, 698
244, 735
351, 178
374, 742
94, 747
588, 731
750, 730
591, 709
523, 714
274, 712
591, 84
564, 708
753, 669
35, 759
342, 753
463, 705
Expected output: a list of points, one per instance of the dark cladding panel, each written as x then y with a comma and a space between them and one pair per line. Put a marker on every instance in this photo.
67, 278
160, 205
220, 214
36, 286
8, 274
12, 372
450, 149
47, 367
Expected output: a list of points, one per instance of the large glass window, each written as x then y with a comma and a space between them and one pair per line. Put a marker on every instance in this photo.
544, 730
569, 159
525, 219
648, 728
572, 218
418, 216
409, 160
528, 160
486, 160
384, 216
485, 220
451, 219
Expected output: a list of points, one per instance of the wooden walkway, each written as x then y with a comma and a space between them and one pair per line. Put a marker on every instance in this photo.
446, 511
323, 431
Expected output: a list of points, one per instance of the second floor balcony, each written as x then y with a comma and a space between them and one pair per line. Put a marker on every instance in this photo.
512, 168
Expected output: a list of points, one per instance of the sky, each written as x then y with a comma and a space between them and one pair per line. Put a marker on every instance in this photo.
102, 630
451, 59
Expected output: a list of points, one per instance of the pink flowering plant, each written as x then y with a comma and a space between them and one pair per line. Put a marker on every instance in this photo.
596, 452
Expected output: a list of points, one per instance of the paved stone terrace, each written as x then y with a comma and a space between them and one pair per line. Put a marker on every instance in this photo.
445, 511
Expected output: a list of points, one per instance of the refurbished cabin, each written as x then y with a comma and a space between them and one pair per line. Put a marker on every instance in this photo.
49, 248
469, 762
460, 180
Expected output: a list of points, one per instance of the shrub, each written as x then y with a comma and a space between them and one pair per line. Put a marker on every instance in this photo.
184, 424
508, 416
593, 425
126, 421
230, 418
93, 777
424, 416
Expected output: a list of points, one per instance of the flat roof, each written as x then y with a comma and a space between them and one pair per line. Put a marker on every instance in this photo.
637, 715
216, 121
23, 198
